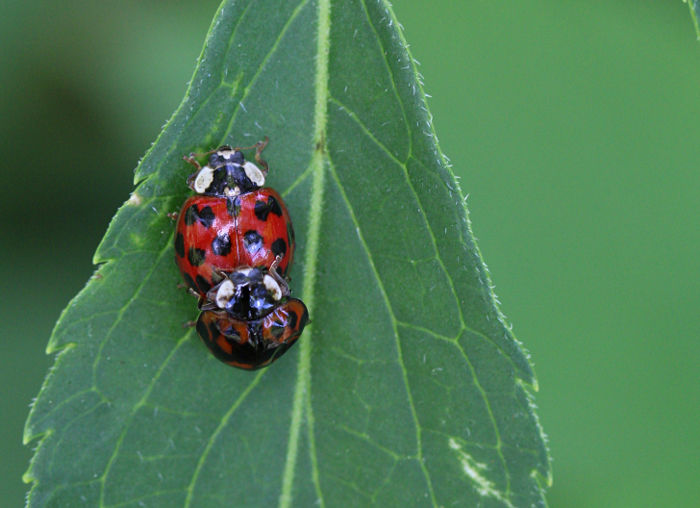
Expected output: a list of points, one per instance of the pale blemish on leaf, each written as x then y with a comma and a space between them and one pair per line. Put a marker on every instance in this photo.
476, 470
134, 199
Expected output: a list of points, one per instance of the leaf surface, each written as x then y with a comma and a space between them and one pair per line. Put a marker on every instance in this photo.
408, 387
694, 6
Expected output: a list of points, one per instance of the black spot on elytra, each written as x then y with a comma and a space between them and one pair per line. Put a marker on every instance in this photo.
233, 206
276, 329
221, 245
292, 319
189, 281
213, 329
180, 245
230, 332
274, 206
196, 256
279, 247
205, 216
203, 284
202, 330
255, 333
191, 215
252, 241
263, 209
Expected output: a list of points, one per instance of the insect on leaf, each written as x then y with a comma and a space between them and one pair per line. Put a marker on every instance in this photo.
406, 389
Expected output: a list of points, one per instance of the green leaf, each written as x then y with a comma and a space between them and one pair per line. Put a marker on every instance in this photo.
694, 7
408, 388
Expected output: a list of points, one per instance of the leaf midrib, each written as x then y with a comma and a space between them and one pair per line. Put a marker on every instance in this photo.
302, 399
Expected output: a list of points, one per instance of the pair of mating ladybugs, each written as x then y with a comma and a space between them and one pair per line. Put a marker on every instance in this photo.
234, 245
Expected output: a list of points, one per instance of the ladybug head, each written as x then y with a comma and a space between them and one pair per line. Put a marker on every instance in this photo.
225, 154
249, 293
227, 174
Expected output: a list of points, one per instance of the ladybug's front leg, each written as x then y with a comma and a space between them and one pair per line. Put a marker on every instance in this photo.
191, 291
284, 286
259, 147
191, 159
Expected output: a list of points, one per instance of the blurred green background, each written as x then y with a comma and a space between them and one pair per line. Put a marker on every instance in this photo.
573, 126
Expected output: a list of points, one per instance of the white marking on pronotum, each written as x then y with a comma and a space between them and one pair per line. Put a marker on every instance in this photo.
475, 470
224, 293
273, 287
204, 179
254, 174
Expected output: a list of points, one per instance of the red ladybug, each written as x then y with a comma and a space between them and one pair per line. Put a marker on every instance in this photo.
252, 344
232, 223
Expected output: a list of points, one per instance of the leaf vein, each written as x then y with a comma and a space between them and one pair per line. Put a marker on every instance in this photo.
210, 442
134, 409
390, 309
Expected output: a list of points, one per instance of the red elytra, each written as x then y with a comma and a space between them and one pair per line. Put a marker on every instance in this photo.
223, 233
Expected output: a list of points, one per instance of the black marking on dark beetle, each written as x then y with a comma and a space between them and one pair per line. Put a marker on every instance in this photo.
255, 333
233, 206
214, 330
221, 245
196, 256
230, 332
279, 247
203, 284
202, 330
276, 329
180, 245
292, 319
252, 241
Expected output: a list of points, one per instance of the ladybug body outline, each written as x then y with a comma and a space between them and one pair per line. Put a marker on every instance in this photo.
253, 344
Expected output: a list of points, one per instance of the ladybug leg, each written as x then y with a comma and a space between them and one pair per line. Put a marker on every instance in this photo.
190, 159
214, 299
284, 286
191, 291
207, 305
259, 147
189, 324
220, 274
